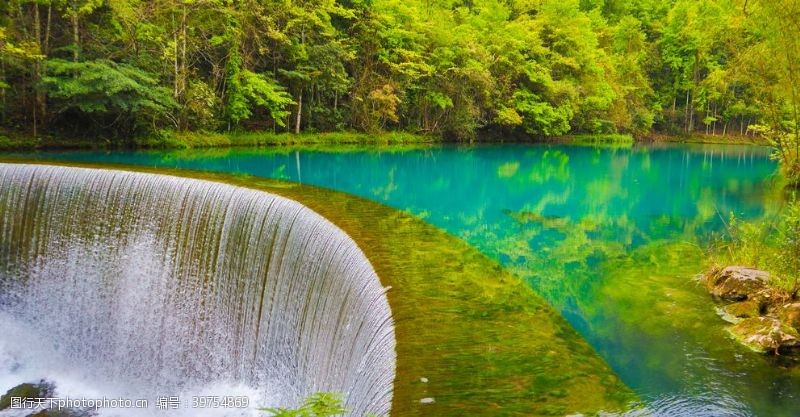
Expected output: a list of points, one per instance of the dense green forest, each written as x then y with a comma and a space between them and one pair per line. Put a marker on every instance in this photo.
455, 68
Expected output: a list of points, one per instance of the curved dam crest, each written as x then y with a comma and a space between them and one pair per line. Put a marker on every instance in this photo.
160, 285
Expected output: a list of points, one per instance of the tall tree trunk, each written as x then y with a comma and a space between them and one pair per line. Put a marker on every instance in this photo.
714, 123
695, 81
46, 50
37, 67
76, 39
686, 113
46, 53
299, 112
3, 91
40, 104
176, 64
183, 52
180, 68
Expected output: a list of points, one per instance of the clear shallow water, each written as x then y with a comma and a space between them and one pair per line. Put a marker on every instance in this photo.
610, 237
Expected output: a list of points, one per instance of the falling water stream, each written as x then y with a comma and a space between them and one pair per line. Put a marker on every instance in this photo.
140, 285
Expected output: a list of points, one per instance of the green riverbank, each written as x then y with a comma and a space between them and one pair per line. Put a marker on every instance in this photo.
204, 140
194, 140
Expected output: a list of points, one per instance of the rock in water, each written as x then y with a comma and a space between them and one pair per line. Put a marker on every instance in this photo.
43, 389
736, 283
765, 334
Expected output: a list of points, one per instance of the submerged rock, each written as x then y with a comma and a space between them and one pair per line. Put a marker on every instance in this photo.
737, 283
765, 334
734, 313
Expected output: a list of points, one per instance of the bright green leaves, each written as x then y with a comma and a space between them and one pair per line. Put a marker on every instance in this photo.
259, 90
540, 117
247, 90
108, 88
440, 100
771, 67
317, 405
20, 52
452, 67
83, 7
507, 116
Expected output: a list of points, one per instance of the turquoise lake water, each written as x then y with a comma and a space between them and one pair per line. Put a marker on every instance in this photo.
612, 238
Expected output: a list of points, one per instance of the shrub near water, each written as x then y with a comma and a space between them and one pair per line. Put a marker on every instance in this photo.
321, 404
771, 245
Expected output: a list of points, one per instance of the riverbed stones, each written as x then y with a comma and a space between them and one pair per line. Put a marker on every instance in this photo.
737, 283
765, 334
762, 318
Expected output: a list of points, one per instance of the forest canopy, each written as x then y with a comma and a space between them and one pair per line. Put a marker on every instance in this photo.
119, 68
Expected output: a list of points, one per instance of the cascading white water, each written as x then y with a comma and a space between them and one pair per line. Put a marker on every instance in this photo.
163, 285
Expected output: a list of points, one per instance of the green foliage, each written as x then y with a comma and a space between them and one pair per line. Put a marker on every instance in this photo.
257, 90
772, 245
320, 404
201, 103
129, 98
204, 139
540, 117
789, 245
783, 138
106, 88
452, 69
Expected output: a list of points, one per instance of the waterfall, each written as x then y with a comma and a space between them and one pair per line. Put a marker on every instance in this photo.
161, 285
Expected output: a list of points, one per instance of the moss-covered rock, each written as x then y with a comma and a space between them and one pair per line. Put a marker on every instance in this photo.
737, 283
765, 334
734, 313
789, 314
43, 389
